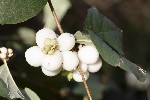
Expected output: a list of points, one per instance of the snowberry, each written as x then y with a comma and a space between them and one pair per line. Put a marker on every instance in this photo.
95, 67
10, 51
34, 56
88, 54
70, 60
66, 41
43, 34
3, 50
53, 62
3, 55
78, 78
51, 73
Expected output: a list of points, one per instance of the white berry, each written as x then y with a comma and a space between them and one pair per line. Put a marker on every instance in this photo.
53, 62
66, 41
42, 34
34, 56
77, 77
95, 67
3, 50
51, 73
10, 51
88, 54
3, 55
70, 60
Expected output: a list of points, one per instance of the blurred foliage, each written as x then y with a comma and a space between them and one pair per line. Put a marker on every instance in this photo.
132, 16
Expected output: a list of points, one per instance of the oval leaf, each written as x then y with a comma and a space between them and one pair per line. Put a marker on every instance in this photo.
108, 31
114, 59
17, 11
8, 84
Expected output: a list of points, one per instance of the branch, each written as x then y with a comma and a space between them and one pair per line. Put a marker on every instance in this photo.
55, 16
61, 31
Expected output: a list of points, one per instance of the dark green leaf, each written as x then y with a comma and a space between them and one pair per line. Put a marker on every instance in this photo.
101, 25
8, 84
16, 11
114, 59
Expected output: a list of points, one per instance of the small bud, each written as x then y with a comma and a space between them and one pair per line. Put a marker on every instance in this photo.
47, 41
3, 50
51, 52
3, 55
53, 42
47, 48
70, 76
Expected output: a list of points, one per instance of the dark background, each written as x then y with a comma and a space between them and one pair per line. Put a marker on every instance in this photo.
132, 16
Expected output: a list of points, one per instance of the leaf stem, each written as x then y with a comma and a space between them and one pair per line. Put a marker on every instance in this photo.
55, 16
61, 31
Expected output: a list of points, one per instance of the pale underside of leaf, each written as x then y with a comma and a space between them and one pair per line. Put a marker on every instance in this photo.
8, 83
82, 38
114, 59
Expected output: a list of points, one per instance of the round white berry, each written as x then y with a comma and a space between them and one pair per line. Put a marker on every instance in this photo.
95, 67
3, 50
3, 55
84, 67
34, 56
70, 60
78, 78
42, 34
51, 73
66, 41
88, 54
53, 62
10, 51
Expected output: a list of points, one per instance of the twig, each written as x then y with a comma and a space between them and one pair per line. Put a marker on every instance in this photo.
55, 16
61, 31
85, 84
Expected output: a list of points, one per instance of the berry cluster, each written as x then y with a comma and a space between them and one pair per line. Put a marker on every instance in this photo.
53, 53
5, 53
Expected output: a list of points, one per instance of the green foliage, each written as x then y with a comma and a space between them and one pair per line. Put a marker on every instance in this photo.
103, 34
8, 86
101, 25
16, 11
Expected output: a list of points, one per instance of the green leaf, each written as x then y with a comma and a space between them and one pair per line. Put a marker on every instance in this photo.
114, 59
30, 95
8, 85
17, 11
3, 91
82, 38
102, 26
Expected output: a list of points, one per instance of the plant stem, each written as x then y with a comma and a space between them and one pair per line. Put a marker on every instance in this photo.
85, 84
61, 31
55, 16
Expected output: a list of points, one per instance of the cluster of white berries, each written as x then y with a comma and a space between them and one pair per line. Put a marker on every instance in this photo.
5, 53
53, 53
